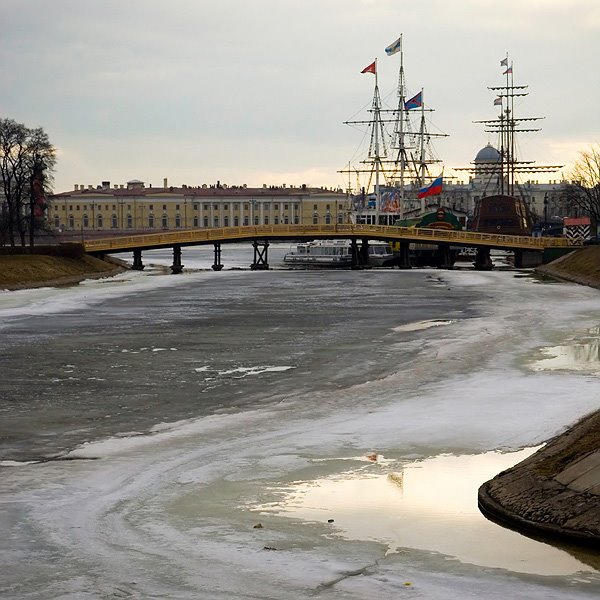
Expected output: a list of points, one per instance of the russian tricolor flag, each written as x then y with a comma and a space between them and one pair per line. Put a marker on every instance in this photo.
433, 189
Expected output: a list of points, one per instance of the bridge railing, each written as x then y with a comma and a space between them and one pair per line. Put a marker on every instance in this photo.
386, 232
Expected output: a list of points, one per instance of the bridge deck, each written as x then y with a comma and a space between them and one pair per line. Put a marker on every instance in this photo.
190, 237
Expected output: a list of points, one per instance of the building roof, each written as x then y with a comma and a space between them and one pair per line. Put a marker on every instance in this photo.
488, 154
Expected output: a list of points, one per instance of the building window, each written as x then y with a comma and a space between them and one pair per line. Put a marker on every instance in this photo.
340, 218
215, 207
196, 221
164, 207
206, 207
236, 207
276, 220
315, 219
327, 219
315, 207
176, 207
328, 207
225, 221
165, 222
285, 207
225, 206
77, 207
129, 221
266, 219
113, 221
256, 219
246, 220
57, 222
151, 207
71, 222
178, 221
205, 221
99, 222
276, 206
195, 206
296, 220
151, 221
215, 221
286, 220
86, 221
236, 221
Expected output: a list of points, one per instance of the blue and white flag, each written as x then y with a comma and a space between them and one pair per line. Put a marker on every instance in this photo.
394, 47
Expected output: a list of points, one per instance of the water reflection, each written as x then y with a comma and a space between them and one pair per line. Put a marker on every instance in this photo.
428, 505
578, 355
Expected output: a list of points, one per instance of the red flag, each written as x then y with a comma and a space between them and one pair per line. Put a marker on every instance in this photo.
372, 68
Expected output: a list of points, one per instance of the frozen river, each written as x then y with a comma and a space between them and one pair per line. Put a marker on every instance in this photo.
284, 434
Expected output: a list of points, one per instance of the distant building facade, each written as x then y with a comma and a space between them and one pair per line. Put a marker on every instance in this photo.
135, 206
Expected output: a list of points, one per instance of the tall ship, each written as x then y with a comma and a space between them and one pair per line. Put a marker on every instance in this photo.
503, 207
398, 172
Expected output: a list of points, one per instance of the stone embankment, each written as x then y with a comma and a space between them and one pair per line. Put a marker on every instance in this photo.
555, 493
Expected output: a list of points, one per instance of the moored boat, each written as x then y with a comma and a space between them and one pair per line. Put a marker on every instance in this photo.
336, 254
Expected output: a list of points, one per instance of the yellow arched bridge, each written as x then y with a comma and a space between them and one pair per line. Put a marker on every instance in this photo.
262, 234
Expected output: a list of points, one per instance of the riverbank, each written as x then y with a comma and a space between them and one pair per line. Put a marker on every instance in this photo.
555, 493
581, 266
22, 271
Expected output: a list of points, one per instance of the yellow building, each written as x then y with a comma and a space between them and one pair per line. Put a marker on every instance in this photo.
135, 206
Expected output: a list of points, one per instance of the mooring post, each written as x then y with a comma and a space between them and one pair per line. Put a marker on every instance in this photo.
137, 265
176, 267
217, 266
483, 261
260, 256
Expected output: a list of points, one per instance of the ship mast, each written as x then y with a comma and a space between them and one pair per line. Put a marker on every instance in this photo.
377, 143
506, 126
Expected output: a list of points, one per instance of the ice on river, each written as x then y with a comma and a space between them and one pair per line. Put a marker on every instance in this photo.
287, 501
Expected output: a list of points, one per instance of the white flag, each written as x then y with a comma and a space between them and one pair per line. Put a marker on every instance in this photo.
394, 47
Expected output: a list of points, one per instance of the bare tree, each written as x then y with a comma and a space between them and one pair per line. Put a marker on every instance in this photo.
27, 160
583, 193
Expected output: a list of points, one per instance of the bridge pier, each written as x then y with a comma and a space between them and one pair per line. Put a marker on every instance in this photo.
137, 265
443, 257
260, 256
358, 254
518, 259
176, 267
483, 261
403, 257
217, 266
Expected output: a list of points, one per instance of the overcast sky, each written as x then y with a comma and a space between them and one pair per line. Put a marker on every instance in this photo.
256, 91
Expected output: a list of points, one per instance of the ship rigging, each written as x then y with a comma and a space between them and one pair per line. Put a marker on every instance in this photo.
402, 158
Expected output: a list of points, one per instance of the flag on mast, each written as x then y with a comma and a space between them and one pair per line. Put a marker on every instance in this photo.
372, 68
433, 189
504, 62
415, 102
394, 47
498, 101
509, 70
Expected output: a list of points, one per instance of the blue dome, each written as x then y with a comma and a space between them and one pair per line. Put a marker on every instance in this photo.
489, 154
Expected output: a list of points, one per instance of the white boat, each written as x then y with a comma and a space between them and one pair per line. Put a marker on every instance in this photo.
336, 253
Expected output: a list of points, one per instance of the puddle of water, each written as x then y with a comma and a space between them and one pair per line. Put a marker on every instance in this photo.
428, 505
578, 355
